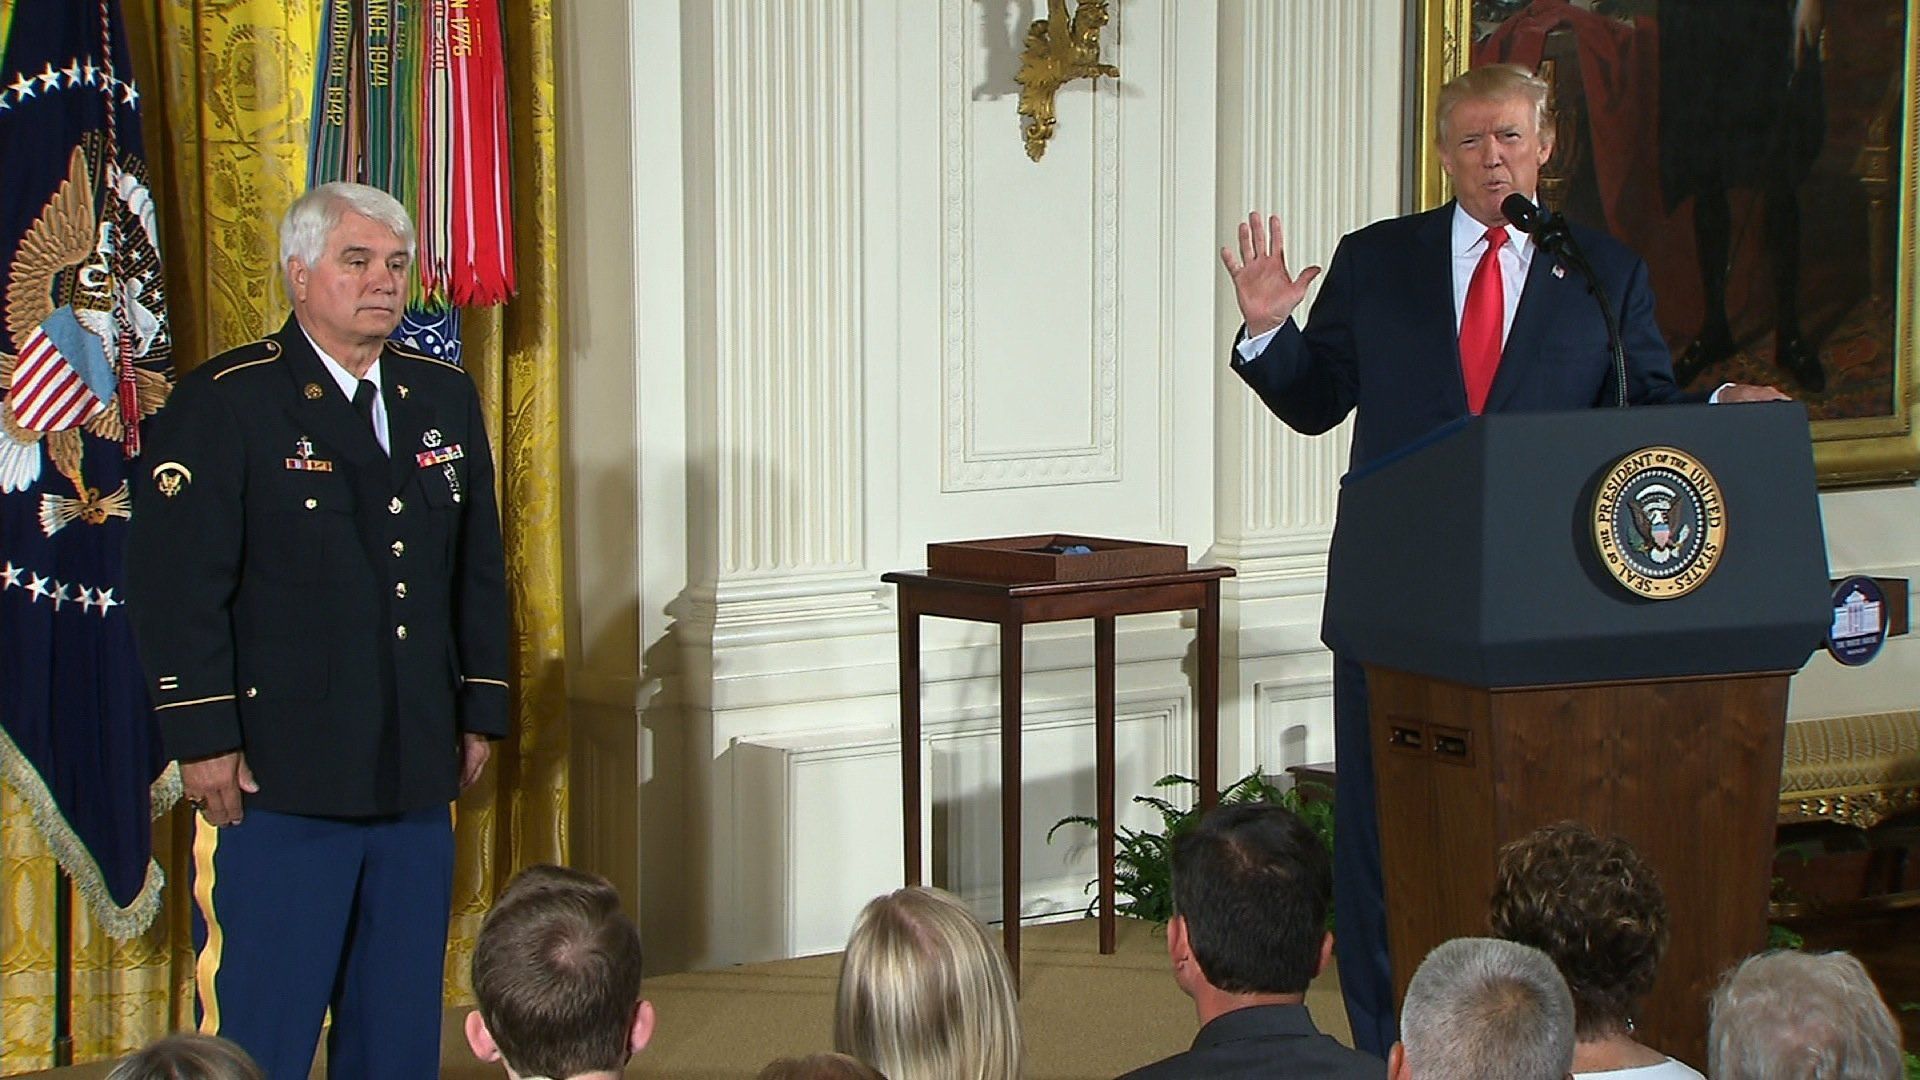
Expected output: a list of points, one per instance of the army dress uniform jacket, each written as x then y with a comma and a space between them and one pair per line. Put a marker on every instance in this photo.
337, 614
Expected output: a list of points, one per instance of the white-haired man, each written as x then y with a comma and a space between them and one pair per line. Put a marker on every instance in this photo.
318, 591
1485, 1009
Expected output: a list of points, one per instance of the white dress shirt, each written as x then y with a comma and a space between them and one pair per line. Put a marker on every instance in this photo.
350, 382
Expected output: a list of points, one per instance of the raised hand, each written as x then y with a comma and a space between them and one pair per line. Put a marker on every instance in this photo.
1267, 292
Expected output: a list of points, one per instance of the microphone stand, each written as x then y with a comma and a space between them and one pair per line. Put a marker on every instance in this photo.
1550, 231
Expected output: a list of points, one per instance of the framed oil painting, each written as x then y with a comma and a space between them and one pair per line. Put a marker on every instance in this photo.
1759, 154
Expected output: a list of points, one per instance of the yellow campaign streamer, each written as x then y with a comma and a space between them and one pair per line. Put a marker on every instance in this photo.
206, 839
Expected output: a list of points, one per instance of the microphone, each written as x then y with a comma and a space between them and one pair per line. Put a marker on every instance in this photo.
1548, 229
1551, 232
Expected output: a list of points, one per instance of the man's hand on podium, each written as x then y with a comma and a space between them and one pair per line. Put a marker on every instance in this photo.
1266, 291
1735, 392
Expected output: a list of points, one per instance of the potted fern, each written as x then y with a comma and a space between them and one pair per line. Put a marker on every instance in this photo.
1143, 859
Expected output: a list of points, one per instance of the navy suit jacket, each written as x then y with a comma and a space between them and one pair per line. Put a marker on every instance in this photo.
1382, 339
1261, 1041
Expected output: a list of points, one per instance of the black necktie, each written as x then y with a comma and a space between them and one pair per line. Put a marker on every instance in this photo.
363, 396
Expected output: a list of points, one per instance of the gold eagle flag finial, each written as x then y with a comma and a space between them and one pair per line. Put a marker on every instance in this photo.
1059, 50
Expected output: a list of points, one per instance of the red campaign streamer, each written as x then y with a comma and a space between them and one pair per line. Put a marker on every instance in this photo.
481, 264
434, 226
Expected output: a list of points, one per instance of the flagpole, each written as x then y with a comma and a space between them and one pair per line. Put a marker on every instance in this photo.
62, 967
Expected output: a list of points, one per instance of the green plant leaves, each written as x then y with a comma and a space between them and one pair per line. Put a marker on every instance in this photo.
1143, 860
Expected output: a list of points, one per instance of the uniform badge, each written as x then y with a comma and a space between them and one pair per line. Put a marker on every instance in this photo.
303, 459
432, 437
401, 389
453, 479
313, 391
439, 455
170, 478
1559, 271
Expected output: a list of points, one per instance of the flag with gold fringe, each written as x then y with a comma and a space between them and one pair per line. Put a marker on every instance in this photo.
85, 356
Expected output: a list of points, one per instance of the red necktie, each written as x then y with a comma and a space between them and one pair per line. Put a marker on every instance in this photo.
1480, 323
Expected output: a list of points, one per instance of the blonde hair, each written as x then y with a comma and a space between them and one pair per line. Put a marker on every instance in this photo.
1495, 82
925, 993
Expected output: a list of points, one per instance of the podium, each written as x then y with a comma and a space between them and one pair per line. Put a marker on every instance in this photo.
1514, 681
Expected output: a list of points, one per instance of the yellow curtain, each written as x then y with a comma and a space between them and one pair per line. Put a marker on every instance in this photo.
229, 86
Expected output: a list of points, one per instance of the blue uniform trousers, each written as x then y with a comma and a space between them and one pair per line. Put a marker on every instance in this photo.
295, 916
1359, 903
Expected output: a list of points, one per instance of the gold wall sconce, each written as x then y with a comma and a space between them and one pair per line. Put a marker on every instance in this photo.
1058, 51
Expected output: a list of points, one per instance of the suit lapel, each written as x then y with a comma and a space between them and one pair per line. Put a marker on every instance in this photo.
1540, 301
1432, 287
327, 417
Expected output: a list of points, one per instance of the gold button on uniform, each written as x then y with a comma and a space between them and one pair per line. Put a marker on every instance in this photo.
399, 548
312, 503
400, 632
395, 506
400, 589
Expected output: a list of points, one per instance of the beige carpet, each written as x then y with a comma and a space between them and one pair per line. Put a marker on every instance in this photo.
1085, 1015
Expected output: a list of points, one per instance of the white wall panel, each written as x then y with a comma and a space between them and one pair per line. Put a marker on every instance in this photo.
826, 810
1048, 377
1311, 131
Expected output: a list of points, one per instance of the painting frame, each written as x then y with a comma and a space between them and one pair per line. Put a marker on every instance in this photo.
1878, 449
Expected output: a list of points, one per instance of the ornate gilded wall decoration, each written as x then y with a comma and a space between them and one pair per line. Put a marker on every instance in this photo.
1058, 51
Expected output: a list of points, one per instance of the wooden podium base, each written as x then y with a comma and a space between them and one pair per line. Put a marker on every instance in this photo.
1687, 770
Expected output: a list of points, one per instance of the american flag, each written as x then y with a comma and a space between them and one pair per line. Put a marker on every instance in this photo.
50, 392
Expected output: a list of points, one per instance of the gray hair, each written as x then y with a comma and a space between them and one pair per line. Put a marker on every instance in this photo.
1485, 1009
1801, 1016
313, 217
1495, 82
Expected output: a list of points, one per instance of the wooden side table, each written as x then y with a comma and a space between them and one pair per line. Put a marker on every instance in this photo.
1013, 607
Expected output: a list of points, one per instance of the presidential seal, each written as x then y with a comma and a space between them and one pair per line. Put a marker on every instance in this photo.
1658, 522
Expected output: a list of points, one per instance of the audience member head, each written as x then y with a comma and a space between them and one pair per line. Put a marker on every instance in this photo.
556, 978
1484, 1009
925, 993
1251, 885
1801, 1016
542, 878
188, 1056
820, 1067
1595, 907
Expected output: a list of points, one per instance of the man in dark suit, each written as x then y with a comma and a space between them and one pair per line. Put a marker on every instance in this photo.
1251, 884
1422, 320
317, 585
